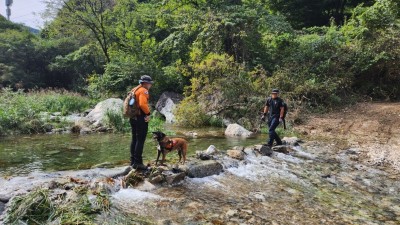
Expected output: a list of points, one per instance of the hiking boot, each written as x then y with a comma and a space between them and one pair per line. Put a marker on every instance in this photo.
139, 167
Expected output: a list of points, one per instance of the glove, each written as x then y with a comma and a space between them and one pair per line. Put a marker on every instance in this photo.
280, 120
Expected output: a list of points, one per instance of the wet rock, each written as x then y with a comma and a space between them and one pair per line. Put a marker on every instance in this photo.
203, 156
294, 141
156, 179
265, 150
282, 148
116, 172
235, 130
146, 186
4, 198
211, 150
98, 116
132, 179
236, 154
239, 148
167, 104
204, 168
175, 178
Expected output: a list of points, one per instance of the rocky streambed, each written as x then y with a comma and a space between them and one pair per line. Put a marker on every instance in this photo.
304, 185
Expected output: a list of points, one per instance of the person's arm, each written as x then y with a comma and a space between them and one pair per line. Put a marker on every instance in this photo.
143, 103
266, 109
281, 113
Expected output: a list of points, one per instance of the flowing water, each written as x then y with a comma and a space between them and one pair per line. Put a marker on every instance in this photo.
313, 186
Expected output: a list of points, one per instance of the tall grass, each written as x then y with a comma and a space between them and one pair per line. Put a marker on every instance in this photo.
20, 111
121, 124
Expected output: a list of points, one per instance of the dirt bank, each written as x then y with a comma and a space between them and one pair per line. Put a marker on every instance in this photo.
370, 130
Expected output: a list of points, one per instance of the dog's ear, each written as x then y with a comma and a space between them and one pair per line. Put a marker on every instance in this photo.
162, 134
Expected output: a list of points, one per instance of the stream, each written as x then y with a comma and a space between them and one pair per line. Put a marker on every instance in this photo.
312, 186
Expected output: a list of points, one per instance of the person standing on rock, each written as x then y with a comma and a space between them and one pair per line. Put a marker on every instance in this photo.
140, 123
275, 109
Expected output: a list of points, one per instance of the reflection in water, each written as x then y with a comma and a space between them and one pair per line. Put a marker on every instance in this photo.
24, 154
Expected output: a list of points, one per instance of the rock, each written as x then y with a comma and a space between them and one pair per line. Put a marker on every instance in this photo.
157, 179
236, 154
235, 130
133, 179
2, 208
203, 156
48, 127
4, 198
204, 168
294, 141
56, 114
226, 122
72, 118
86, 112
175, 178
265, 150
82, 122
231, 213
211, 150
85, 130
98, 116
146, 186
166, 105
240, 148
282, 148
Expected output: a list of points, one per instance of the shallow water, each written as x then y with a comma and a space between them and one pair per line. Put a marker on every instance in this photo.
20, 155
316, 185
274, 190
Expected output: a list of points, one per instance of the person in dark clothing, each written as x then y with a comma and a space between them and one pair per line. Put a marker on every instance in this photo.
275, 110
140, 123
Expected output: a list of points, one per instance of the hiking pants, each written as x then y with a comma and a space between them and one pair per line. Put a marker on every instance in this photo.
272, 124
139, 132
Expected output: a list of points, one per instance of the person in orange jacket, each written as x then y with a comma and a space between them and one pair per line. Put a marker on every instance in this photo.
140, 124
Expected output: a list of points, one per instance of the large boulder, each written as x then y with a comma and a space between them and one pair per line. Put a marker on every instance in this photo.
204, 168
98, 116
166, 105
235, 130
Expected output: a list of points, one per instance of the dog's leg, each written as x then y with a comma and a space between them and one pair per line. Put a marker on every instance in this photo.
158, 156
180, 154
163, 158
184, 151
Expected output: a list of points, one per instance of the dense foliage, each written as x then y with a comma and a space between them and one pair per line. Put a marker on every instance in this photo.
224, 55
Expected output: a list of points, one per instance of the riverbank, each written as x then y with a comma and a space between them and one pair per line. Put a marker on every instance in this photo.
370, 130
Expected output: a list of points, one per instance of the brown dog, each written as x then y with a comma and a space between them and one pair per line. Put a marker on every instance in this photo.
167, 145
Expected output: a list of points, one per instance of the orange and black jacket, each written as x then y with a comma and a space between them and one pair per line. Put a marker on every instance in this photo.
142, 98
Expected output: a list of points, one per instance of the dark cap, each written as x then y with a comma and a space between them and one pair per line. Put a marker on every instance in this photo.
146, 79
275, 91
